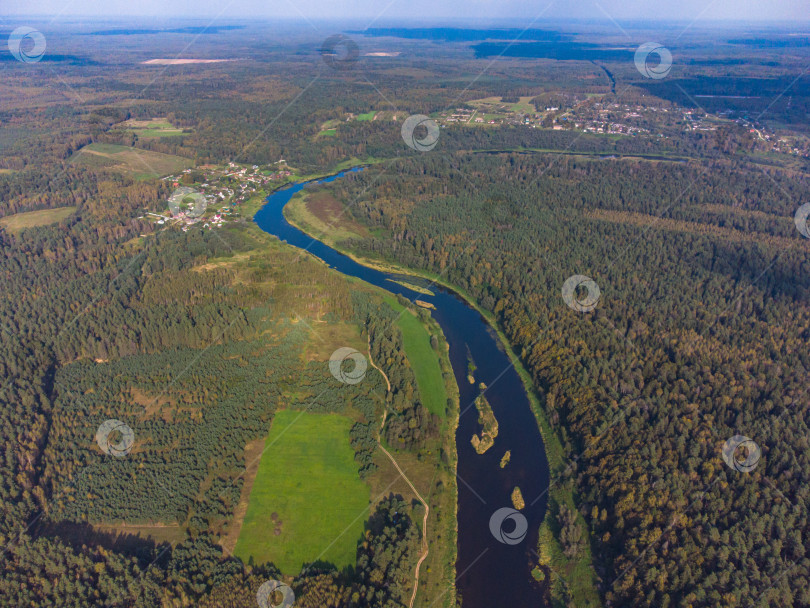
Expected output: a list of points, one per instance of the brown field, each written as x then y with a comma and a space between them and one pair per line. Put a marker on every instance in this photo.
141, 164
323, 215
328, 337
32, 219
729, 234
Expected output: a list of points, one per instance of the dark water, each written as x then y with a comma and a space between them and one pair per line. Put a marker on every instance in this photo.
490, 574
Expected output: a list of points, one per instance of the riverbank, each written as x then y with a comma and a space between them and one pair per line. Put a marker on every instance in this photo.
575, 577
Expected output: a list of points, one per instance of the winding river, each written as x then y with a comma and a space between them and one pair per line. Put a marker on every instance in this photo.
490, 573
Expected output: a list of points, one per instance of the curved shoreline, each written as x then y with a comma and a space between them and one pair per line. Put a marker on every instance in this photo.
466, 327
586, 585
389, 267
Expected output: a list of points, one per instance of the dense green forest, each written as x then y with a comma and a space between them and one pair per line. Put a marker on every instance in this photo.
698, 336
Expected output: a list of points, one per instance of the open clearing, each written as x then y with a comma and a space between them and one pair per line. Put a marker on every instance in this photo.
497, 105
141, 164
32, 219
308, 478
424, 360
322, 214
155, 127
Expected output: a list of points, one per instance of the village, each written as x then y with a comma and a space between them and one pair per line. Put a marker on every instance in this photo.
210, 195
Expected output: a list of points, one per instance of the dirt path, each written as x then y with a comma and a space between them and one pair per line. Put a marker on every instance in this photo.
425, 548
370, 360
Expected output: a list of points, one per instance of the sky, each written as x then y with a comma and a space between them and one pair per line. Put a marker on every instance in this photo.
423, 10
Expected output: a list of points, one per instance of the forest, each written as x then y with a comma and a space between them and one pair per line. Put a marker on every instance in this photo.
698, 335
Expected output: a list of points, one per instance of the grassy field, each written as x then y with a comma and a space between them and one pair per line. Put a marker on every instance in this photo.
323, 216
156, 127
424, 360
308, 477
366, 116
494, 104
141, 164
32, 219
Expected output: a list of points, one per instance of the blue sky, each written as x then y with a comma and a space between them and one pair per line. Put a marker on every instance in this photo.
424, 10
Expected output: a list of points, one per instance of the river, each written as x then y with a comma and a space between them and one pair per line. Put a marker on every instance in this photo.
490, 573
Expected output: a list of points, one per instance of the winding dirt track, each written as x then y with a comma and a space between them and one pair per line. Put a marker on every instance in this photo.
425, 548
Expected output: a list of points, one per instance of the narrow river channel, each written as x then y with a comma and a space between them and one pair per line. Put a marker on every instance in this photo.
491, 573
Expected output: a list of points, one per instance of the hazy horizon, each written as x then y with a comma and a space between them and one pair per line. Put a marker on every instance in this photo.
727, 11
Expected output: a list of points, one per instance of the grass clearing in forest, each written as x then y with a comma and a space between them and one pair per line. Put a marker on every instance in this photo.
321, 214
140, 164
33, 219
156, 127
308, 479
423, 359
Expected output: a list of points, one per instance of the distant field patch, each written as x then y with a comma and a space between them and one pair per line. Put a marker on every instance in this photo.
712, 230
497, 105
141, 164
308, 478
366, 116
155, 127
32, 219
423, 359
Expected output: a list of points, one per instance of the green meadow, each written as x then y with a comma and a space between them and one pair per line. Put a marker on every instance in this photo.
423, 359
308, 478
